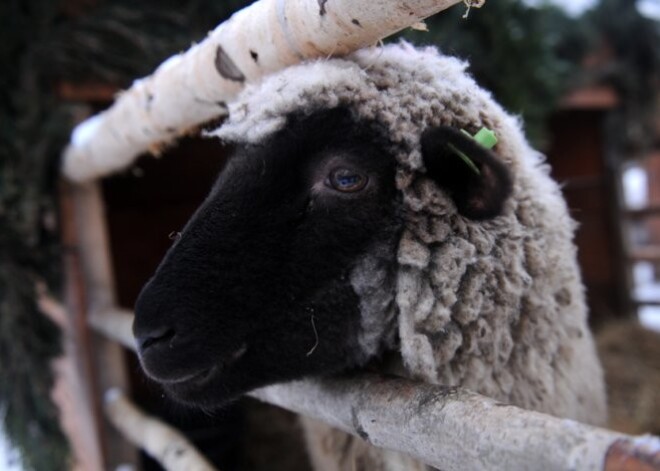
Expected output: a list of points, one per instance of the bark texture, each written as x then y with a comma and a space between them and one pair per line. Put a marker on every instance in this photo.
448, 428
115, 323
192, 88
159, 440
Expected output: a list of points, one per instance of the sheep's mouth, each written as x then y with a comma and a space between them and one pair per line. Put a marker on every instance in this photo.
200, 378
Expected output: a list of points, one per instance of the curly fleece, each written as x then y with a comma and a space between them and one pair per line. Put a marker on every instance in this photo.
496, 306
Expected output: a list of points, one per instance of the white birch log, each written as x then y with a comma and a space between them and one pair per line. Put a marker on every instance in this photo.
191, 88
452, 428
161, 441
90, 287
116, 324
69, 391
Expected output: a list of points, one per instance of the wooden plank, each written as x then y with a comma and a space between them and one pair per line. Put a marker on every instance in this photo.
114, 320
106, 356
578, 156
86, 92
161, 441
645, 254
646, 302
75, 391
599, 97
642, 213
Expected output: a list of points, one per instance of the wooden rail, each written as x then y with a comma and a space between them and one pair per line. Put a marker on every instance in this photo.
645, 254
161, 441
195, 86
90, 288
449, 428
646, 302
649, 211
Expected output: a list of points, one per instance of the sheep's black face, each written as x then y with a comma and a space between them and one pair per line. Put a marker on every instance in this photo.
257, 288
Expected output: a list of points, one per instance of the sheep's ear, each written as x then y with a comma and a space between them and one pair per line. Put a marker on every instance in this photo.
476, 179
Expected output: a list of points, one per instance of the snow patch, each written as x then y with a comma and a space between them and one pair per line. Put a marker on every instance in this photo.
649, 9
635, 187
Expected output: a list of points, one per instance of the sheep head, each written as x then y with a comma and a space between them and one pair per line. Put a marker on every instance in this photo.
288, 268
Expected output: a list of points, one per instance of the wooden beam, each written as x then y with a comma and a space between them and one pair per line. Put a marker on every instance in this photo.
116, 324
641, 213
162, 442
94, 283
194, 87
74, 390
645, 254
594, 97
646, 302
87, 92
452, 428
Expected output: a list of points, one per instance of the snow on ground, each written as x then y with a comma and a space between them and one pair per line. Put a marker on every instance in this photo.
647, 288
649, 8
649, 316
635, 187
9, 460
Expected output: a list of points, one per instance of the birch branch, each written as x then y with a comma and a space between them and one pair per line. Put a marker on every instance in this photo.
116, 324
455, 429
162, 442
192, 88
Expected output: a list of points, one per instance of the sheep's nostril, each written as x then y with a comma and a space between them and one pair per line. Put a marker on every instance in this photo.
160, 335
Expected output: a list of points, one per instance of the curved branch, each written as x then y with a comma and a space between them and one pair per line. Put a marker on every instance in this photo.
162, 442
452, 428
192, 88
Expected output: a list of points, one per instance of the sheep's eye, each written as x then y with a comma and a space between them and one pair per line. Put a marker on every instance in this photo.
345, 180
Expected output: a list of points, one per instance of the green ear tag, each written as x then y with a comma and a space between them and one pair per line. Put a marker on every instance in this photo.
485, 138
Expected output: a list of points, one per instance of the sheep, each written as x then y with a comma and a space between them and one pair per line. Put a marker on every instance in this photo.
348, 229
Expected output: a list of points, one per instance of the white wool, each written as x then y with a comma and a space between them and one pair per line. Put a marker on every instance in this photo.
373, 280
496, 306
